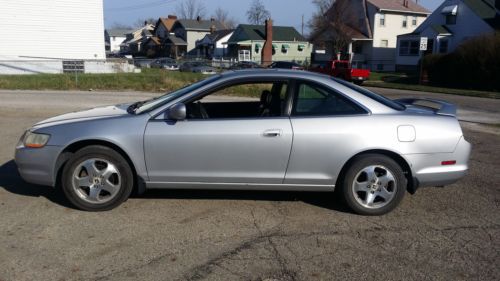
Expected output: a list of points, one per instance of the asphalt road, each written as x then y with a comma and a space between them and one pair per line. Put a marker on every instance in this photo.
450, 233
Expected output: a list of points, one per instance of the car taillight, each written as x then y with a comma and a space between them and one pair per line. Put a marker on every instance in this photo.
448, 162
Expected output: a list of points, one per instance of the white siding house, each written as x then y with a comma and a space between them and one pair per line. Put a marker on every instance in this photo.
372, 27
38, 35
446, 28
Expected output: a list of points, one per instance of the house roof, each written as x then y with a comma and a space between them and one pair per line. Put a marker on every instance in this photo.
118, 32
201, 25
246, 32
486, 10
167, 22
219, 34
155, 40
174, 40
397, 5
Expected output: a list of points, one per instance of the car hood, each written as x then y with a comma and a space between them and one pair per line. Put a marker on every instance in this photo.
98, 112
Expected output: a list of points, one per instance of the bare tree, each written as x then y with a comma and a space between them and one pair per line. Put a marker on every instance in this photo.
117, 25
141, 22
191, 9
223, 17
257, 13
330, 24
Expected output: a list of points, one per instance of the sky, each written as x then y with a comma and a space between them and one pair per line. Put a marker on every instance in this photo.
283, 12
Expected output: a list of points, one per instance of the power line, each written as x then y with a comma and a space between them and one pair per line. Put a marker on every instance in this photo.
142, 6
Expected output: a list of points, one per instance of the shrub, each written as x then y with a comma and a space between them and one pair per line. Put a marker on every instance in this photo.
475, 64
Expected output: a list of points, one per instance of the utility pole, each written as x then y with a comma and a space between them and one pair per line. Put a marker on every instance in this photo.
302, 24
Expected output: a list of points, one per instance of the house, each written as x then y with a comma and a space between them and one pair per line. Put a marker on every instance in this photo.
247, 43
214, 45
164, 26
446, 28
134, 44
116, 37
371, 28
51, 35
191, 31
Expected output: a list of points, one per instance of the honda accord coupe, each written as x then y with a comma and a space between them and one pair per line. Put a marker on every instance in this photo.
307, 132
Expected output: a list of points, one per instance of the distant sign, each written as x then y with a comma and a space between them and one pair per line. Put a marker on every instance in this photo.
423, 43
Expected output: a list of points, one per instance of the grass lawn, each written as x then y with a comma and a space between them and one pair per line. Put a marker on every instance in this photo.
155, 80
151, 80
404, 82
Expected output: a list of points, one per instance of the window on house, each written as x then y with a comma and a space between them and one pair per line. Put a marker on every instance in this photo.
384, 43
443, 46
284, 48
451, 19
414, 21
405, 21
382, 19
409, 47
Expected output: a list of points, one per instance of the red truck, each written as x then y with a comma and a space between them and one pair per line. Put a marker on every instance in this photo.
343, 69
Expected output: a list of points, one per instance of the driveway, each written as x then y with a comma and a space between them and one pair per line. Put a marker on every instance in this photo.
450, 233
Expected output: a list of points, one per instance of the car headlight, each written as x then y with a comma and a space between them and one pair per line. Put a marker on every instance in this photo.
35, 140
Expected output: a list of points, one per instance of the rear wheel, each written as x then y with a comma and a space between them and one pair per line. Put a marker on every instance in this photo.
373, 185
97, 178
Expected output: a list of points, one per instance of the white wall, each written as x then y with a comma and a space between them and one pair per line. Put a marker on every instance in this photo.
52, 29
385, 57
115, 42
192, 37
220, 47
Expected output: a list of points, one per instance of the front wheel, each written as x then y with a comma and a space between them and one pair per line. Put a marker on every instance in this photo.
97, 178
373, 185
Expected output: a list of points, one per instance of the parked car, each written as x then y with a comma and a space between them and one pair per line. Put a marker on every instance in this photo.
245, 65
197, 67
371, 148
165, 63
142, 62
286, 65
343, 69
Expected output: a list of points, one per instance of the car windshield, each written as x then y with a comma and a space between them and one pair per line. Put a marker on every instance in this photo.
161, 100
381, 99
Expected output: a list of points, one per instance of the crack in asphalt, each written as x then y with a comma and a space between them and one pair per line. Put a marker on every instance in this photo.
201, 271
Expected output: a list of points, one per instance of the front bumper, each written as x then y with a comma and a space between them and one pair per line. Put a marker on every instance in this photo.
37, 165
428, 171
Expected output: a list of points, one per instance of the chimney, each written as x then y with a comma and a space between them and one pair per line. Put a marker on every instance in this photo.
267, 50
213, 28
172, 17
145, 22
198, 18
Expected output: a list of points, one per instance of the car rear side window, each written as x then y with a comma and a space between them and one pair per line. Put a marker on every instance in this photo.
314, 100
381, 99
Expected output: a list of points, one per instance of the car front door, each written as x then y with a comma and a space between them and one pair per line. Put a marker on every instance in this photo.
227, 146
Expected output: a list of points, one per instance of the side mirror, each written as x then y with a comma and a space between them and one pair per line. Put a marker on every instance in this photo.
177, 112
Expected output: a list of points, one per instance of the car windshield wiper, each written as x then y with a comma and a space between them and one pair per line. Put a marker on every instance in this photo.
133, 107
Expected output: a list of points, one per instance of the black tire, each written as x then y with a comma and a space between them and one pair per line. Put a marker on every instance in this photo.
125, 176
358, 82
355, 173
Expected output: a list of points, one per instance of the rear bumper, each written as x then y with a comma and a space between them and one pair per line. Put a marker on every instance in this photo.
428, 171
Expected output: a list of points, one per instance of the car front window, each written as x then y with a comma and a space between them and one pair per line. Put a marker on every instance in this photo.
159, 101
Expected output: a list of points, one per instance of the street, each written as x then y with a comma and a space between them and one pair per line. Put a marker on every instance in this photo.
450, 233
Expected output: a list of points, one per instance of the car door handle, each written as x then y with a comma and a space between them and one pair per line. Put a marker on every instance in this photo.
272, 133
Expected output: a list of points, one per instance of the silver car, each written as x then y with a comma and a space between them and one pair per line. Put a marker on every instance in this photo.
307, 132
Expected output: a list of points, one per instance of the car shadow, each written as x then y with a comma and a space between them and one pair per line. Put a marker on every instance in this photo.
11, 181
